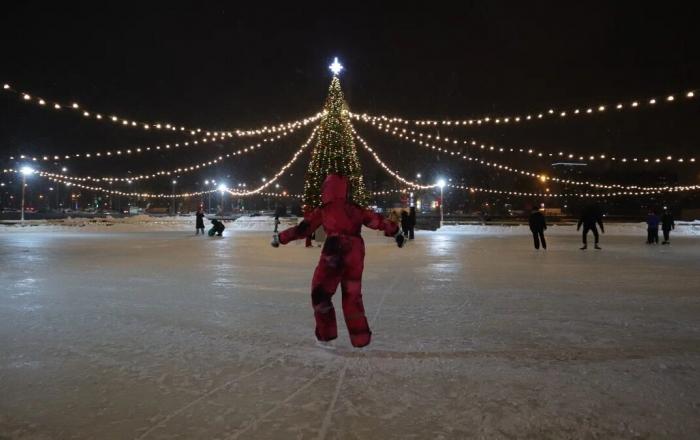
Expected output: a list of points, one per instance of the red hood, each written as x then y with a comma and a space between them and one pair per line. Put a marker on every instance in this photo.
335, 187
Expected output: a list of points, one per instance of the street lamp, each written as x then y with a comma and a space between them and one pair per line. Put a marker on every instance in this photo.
174, 208
441, 184
222, 188
26, 171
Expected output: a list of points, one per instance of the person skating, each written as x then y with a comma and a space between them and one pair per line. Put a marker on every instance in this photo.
200, 221
342, 258
405, 223
667, 224
537, 226
652, 228
591, 216
411, 222
217, 228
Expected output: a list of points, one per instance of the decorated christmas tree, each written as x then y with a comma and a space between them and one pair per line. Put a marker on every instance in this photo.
334, 151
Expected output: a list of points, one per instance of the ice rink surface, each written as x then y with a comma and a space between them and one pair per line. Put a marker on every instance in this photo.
160, 335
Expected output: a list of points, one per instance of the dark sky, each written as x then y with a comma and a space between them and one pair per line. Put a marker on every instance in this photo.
238, 66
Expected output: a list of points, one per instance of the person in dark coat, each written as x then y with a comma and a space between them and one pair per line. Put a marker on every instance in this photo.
217, 227
652, 228
591, 216
411, 222
200, 221
667, 224
538, 226
405, 225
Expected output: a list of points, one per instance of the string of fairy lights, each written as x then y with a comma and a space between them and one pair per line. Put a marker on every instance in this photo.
541, 177
174, 171
551, 113
109, 117
115, 153
395, 126
473, 189
257, 191
420, 138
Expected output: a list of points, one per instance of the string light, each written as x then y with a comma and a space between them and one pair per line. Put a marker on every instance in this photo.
282, 170
123, 122
518, 118
420, 138
151, 195
386, 168
473, 189
107, 154
533, 175
179, 170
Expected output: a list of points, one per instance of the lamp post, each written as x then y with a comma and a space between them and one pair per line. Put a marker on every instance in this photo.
441, 184
222, 188
26, 171
173, 207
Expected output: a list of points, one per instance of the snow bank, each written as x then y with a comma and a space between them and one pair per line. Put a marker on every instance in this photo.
682, 229
262, 223
145, 223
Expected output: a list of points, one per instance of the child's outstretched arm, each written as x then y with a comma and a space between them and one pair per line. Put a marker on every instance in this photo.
302, 230
377, 221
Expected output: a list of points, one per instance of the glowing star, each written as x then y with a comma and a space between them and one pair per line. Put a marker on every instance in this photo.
336, 67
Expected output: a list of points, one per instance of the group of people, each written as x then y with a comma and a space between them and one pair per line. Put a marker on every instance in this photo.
217, 227
592, 218
667, 224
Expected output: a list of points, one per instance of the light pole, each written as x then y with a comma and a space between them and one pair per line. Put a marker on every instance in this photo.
206, 182
222, 188
441, 184
174, 208
26, 171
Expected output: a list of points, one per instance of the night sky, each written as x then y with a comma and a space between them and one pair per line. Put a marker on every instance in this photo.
239, 67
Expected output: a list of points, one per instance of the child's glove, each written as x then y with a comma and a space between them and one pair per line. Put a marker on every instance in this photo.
275, 240
399, 239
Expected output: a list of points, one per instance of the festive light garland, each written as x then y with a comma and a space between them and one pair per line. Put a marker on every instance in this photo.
386, 168
473, 189
125, 152
152, 195
157, 126
540, 177
284, 168
160, 173
550, 113
409, 135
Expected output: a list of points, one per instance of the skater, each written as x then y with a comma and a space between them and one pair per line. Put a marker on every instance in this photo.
667, 224
200, 221
342, 258
405, 223
652, 228
537, 226
589, 218
217, 228
411, 222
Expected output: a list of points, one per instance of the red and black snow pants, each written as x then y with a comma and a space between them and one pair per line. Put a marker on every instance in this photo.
342, 262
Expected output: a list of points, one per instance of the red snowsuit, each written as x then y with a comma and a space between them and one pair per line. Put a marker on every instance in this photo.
342, 258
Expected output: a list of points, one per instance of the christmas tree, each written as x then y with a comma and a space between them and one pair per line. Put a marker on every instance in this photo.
334, 151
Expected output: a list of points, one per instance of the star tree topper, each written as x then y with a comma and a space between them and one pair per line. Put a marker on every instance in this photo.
336, 67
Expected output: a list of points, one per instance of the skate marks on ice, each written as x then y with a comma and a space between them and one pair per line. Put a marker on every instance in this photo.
341, 378
162, 423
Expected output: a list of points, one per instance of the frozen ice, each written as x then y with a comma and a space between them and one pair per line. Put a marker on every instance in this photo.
142, 330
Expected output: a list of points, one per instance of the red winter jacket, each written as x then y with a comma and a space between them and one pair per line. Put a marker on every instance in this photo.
338, 216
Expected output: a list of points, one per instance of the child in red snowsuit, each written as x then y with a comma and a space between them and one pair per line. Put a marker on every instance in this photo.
342, 258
